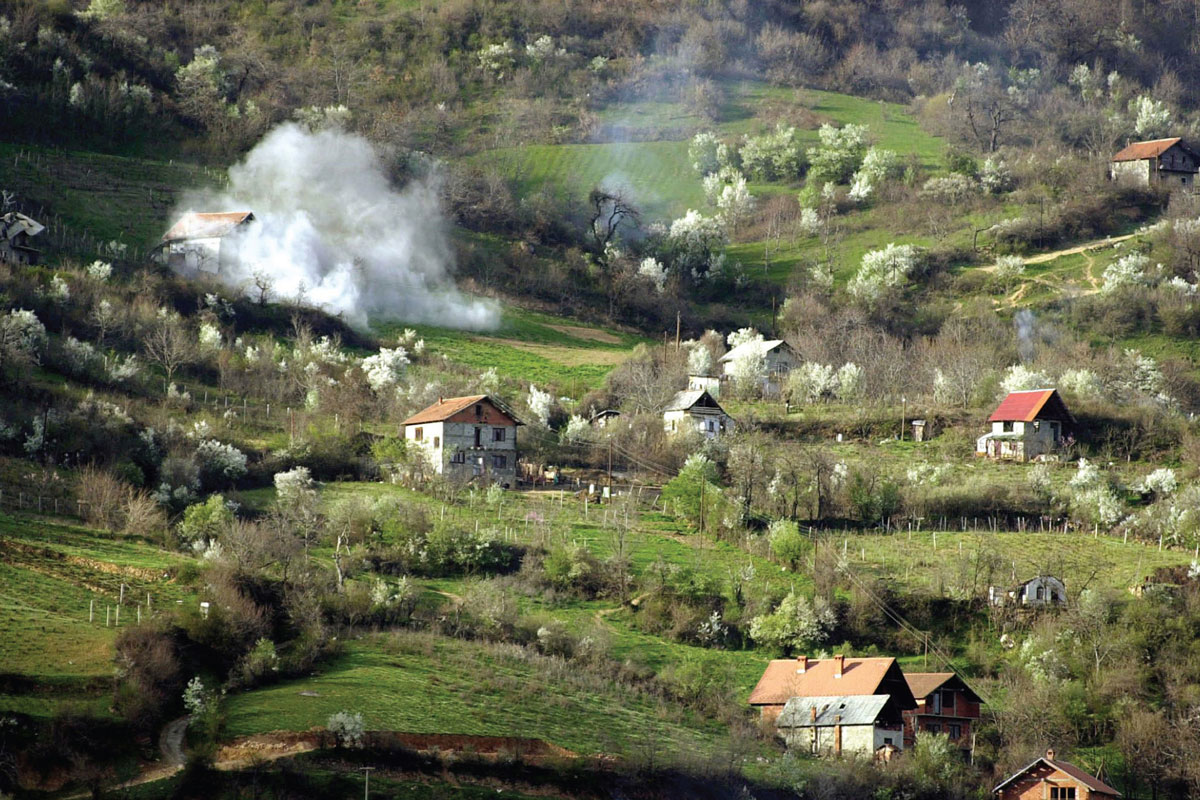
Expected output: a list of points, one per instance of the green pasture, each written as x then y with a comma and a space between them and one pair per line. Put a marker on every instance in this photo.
426, 684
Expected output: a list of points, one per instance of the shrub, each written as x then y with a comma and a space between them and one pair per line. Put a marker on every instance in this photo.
205, 522
796, 623
348, 729
788, 545
220, 463
102, 498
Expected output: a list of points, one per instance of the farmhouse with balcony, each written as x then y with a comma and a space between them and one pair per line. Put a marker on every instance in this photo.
696, 412
1025, 425
785, 678
945, 704
470, 438
1160, 162
1048, 778
16, 239
204, 242
780, 359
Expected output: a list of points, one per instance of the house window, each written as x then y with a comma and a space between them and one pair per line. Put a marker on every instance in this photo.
947, 701
934, 727
437, 442
478, 436
935, 703
418, 434
887, 740
499, 462
1062, 793
1041, 593
479, 409
711, 426
458, 457
955, 732
1008, 427
498, 434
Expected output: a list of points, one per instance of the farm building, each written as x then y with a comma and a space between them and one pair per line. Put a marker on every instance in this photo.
1026, 425
16, 239
1044, 590
698, 412
945, 704
1160, 162
839, 676
780, 360
842, 725
1047, 778
204, 242
601, 419
472, 438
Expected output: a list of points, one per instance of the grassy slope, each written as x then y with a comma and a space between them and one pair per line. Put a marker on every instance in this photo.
49, 573
424, 684
533, 346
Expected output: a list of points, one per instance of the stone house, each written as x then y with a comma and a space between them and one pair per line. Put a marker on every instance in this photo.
945, 704
858, 725
1161, 162
470, 438
1043, 590
705, 383
780, 360
16, 239
204, 242
785, 678
696, 412
1025, 425
1048, 778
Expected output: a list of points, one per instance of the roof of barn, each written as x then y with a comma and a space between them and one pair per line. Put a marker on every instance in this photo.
1153, 148
447, 407
1026, 406
207, 225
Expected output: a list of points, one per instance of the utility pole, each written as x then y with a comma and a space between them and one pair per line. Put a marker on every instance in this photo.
678, 320
702, 482
610, 445
366, 782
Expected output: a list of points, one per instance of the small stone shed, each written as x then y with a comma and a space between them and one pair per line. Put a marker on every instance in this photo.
1025, 425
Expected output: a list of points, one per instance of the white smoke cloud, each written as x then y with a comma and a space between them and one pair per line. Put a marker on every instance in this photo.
331, 228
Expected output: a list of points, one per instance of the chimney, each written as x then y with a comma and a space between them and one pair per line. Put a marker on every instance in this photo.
837, 735
801, 664
1050, 754
839, 662
813, 710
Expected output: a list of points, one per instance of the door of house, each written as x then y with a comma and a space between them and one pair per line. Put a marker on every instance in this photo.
478, 435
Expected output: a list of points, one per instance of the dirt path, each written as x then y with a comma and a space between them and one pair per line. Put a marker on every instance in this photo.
1089, 270
1096, 244
170, 741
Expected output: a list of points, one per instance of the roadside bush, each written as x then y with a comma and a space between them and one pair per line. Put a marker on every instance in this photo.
443, 550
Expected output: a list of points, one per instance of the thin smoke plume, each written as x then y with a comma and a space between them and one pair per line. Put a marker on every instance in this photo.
332, 229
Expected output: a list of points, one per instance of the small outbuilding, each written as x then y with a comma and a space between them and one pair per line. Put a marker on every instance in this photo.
1158, 162
1038, 592
860, 725
696, 412
1025, 425
1048, 778
205, 241
17, 232
945, 704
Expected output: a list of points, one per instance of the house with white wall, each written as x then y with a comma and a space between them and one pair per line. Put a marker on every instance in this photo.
1025, 425
696, 412
204, 241
472, 438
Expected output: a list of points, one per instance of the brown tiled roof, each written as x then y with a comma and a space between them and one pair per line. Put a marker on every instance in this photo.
781, 681
204, 225
1095, 784
1143, 150
922, 683
447, 407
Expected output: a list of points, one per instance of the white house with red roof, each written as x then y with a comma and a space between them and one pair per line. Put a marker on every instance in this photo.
1025, 425
204, 242
472, 438
1164, 162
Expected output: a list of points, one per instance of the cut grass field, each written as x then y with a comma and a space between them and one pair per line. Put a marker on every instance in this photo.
542, 348
659, 175
421, 683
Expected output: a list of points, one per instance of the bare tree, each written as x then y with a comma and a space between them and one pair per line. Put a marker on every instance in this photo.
169, 345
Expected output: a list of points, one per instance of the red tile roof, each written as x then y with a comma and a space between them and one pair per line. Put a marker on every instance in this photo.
447, 407
1143, 150
204, 225
1029, 405
781, 680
